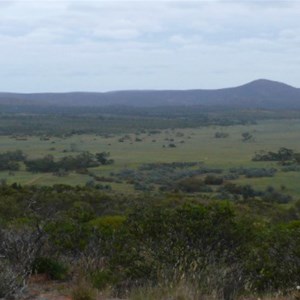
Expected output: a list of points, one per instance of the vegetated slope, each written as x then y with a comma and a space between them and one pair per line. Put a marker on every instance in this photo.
262, 93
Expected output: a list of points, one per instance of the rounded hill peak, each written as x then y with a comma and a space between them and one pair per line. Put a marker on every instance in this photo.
267, 84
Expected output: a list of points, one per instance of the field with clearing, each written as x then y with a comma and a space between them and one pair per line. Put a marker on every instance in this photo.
130, 151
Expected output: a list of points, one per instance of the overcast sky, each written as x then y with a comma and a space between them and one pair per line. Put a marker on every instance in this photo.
68, 45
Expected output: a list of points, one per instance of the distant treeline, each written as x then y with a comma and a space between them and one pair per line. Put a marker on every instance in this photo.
62, 121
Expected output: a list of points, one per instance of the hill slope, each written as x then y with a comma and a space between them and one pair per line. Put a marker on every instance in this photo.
260, 93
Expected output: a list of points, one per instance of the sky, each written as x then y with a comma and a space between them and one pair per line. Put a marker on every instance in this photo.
73, 45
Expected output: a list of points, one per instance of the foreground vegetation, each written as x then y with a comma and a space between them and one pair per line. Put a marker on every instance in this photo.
125, 244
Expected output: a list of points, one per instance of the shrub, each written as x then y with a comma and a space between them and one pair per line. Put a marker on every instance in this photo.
221, 135
254, 172
102, 279
247, 136
273, 263
52, 268
292, 168
213, 180
193, 185
18, 249
172, 145
183, 240
107, 224
84, 291
246, 191
10, 280
276, 197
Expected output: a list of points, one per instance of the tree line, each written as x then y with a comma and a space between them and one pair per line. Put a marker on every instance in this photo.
10, 161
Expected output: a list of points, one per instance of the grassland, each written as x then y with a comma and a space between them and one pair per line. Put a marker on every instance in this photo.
192, 145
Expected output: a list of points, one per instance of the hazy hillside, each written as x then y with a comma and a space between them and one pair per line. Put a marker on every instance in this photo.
257, 94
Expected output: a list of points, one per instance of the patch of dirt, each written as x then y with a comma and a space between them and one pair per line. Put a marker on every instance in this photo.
42, 288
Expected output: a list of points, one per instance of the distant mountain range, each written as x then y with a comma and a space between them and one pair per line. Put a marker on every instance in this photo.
260, 94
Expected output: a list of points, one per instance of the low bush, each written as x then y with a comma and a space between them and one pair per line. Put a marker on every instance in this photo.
103, 279
54, 269
276, 197
84, 291
221, 135
213, 180
254, 172
193, 185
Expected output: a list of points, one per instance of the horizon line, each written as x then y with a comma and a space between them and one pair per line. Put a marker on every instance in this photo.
151, 90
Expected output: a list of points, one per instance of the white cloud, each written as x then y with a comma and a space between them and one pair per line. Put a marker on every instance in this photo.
104, 45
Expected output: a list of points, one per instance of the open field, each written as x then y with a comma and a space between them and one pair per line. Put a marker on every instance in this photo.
191, 145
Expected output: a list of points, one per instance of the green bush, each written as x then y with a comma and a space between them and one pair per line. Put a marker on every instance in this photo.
186, 238
107, 224
102, 279
274, 260
53, 268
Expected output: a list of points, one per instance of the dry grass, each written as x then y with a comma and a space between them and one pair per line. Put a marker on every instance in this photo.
41, 287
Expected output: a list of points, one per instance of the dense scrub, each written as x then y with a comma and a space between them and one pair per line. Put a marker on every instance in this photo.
128, 243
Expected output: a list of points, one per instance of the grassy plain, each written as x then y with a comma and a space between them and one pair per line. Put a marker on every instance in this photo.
196, 144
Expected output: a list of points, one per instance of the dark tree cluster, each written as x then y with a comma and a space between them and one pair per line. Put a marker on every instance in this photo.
79, 162
221, 135
9, 161
247, 192
282, 155
247, 137
103, 158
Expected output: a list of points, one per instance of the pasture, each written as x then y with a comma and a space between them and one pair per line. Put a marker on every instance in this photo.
130, 150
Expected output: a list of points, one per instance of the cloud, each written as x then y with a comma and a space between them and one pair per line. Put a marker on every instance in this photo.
6, 3
103, 45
